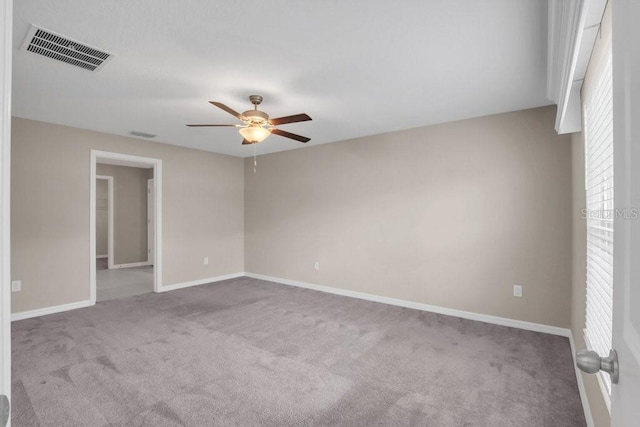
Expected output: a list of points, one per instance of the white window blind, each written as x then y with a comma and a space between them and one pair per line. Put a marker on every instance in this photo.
598, 117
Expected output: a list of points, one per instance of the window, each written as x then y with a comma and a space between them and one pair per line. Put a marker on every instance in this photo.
600, 214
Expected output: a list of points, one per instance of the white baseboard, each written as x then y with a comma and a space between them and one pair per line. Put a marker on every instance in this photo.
583, 392
102, 256
49, 310
503, 321
131, 264
200, 282
81, 304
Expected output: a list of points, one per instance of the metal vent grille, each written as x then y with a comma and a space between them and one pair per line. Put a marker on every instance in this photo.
51, 45
142, 134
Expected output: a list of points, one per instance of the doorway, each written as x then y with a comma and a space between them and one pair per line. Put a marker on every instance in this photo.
126, 212
122, 225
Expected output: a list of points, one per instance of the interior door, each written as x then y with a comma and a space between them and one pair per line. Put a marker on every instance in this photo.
625, 396
151, 221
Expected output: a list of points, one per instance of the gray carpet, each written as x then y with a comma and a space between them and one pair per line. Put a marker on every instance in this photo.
246, 352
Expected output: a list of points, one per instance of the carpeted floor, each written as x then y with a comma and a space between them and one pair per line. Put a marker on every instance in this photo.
246, 352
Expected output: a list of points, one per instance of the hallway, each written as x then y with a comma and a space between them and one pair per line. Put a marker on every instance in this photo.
123, 282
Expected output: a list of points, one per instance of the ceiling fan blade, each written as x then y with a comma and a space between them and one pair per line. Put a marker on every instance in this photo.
290, 135
227, 109
245, 142
290, 119
195, 126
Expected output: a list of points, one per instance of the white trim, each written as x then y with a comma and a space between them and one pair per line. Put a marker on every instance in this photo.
6, 49
110, 220
583, 392
130, 265
102, 256
150, 239
606, 396
134, 161
88, 303
572, 29
201, 282
50, 310
503, 321
605, 392
92, 229
566, 21
157, 257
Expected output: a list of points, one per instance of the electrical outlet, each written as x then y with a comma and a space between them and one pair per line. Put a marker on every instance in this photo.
316, 265
205, 261
16, 286
517, 290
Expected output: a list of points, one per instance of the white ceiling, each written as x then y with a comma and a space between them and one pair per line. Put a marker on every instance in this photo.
356, 67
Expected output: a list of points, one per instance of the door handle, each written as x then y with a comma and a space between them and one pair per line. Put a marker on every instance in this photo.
590, 362
5, 410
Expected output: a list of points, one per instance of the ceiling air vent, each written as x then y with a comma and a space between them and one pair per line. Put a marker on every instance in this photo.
47, 43
142, 134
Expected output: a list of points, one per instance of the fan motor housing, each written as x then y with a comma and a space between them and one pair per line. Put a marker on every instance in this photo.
256, 116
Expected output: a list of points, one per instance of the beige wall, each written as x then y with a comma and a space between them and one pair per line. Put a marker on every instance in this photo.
130, 212
102, 217
202, 211
387, 215
452, 215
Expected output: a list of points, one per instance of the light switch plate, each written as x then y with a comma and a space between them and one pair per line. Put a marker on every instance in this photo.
16, 286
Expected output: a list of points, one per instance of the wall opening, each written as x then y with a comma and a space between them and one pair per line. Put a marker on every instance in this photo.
133, 194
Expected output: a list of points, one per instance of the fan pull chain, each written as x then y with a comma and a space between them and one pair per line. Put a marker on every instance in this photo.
255, 162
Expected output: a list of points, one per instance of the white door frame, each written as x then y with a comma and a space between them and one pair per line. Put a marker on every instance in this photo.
133, 161
150, 233
6, 48
110, 201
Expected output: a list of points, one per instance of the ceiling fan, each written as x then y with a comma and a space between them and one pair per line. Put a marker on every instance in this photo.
257, 126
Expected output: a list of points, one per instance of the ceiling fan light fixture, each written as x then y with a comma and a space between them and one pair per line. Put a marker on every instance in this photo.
254, 133
256, 125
